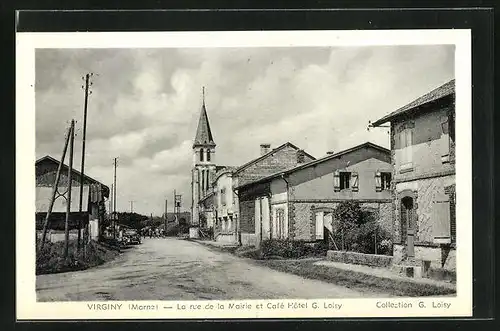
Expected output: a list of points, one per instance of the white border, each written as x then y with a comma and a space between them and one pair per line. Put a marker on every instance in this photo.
26, 43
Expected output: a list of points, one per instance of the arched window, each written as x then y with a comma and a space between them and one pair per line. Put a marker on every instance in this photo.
208, 155
203, 181
201, 154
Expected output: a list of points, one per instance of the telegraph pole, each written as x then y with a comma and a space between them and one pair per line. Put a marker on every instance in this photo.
165, 220
114, 202
131, 206
54, 188
68, 199
87, 79
175, 209
112, 193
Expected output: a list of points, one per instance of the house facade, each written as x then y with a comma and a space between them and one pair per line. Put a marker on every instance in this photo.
215, 203
298, 203
423, 159
93, 203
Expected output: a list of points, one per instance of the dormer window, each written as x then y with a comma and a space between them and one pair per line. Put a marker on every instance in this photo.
201, 155
208, 155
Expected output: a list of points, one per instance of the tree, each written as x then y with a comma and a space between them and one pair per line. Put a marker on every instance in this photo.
358, 229
132, 220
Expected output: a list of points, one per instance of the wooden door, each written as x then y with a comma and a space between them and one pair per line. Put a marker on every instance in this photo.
408, 225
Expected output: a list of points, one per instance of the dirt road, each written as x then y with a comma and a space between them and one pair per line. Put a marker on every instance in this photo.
172, 269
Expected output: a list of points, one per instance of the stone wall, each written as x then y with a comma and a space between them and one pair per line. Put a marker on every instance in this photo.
249, 239
423, 191
303, 223
247, 216
380, 261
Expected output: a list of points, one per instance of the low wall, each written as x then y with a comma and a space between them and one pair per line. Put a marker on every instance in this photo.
225, 238
436, 257
56, 236
382, 261
248, 239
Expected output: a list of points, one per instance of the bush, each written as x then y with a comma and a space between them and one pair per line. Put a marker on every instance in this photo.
51, 258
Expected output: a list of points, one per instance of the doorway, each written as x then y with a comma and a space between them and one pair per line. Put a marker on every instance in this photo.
408, 225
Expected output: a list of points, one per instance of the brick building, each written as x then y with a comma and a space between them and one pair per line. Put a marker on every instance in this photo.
423, 159
297, 203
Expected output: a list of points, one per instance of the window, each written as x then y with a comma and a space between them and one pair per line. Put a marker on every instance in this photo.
223, 196
319, 225
385, 180
345, 179
406, 143
342, 180
201, 155
208, 155
203, 181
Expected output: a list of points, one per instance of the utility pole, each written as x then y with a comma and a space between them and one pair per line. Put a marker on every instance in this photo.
111, 194
114, 202
54, 189
175, 209
131, 206
87, 78
68, 199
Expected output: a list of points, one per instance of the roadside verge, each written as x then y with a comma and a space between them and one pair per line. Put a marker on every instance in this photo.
350, 276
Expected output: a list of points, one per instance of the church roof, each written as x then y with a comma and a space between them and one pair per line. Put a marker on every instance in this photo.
203, 133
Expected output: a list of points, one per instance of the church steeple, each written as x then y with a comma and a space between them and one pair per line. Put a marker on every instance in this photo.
204, 167
203, 133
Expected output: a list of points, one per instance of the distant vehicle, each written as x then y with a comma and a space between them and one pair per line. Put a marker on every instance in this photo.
131, 237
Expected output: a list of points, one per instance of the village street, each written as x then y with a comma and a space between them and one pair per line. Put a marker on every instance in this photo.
173, 269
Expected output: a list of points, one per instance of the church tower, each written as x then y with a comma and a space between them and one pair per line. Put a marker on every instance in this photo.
203, 162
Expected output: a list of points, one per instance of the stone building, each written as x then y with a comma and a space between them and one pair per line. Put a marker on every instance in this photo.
423, 159
297, 203
214, 203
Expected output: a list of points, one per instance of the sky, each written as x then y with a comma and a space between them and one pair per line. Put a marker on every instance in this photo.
145, 105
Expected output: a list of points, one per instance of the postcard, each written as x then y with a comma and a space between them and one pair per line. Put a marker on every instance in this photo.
254, 174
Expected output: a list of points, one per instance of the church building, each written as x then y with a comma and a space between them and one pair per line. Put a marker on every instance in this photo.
203, 163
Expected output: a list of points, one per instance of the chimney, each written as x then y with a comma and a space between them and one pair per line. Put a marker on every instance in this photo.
300, 156
330, 152
264, 148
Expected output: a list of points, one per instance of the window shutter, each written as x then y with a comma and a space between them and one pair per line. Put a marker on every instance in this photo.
336, 181
354, 181
378, 181
328, 221
453, 222
319, 225
445, 141
402, 145
409, 144
441, 227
